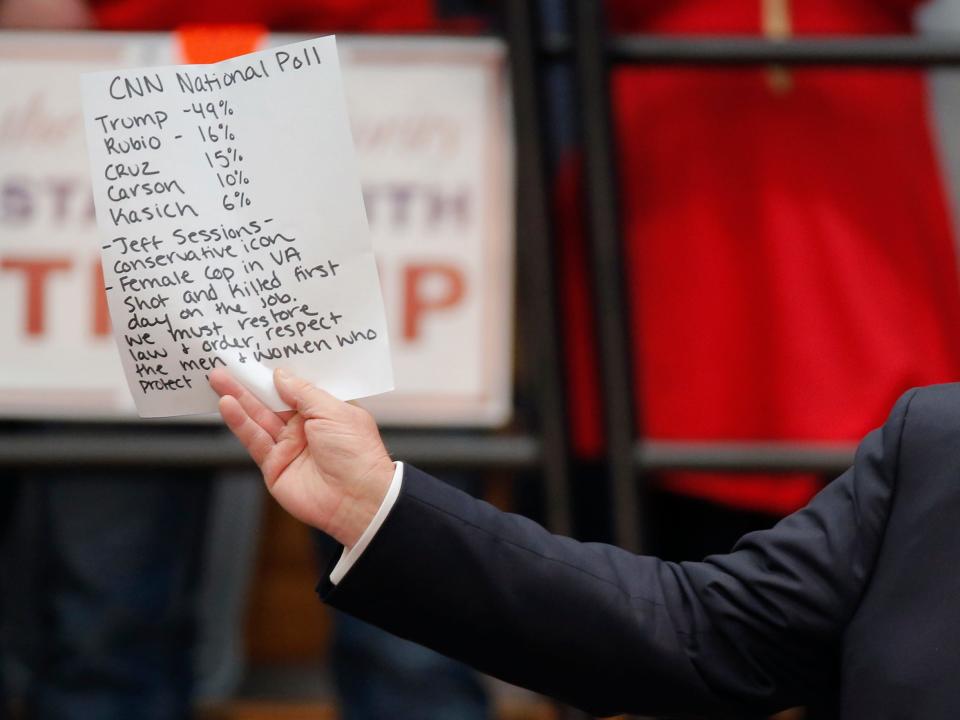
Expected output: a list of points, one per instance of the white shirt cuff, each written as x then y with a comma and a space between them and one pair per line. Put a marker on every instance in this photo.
350, 554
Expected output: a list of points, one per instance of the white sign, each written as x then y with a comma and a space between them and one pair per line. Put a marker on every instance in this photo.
232, 228
430, 125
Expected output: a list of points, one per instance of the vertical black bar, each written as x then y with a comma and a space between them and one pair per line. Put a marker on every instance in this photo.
539, 316
601, 191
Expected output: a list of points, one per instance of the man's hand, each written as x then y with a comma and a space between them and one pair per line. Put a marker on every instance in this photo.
324, 462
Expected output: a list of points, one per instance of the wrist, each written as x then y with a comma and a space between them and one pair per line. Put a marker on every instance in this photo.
358, 509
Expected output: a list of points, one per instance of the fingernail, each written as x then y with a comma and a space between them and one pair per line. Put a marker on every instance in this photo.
282, 375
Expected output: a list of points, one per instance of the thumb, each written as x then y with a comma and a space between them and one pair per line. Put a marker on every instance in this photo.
307, 399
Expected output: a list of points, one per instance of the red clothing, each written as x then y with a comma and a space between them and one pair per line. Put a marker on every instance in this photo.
790, 262
290, 15
370, 16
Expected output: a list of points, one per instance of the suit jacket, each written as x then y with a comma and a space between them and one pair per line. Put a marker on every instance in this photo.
852, 603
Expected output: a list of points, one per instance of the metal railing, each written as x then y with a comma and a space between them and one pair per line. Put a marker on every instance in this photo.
706, 52
208, 448
546, 446
434, 449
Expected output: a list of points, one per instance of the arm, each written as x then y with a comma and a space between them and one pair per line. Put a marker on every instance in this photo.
606, 630
612, 632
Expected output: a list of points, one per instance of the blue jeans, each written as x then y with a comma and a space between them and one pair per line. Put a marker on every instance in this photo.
382, 677
9, 492
114, 592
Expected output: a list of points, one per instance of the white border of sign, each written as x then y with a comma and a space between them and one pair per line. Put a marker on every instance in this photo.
490, 408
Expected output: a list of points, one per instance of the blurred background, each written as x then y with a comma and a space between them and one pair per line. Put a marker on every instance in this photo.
651, 268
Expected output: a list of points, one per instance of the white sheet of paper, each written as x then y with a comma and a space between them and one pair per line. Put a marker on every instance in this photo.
233, 228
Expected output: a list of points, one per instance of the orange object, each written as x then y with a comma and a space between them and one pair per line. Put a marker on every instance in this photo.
203, 44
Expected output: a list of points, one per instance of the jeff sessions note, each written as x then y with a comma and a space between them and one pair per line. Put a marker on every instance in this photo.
233, 228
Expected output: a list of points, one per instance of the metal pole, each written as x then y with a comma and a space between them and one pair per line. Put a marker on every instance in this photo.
865, 51
712, 52
600, 186
826, 458
537, 283
207, 448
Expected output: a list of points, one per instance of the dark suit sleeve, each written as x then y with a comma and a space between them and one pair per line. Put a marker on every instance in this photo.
608, 631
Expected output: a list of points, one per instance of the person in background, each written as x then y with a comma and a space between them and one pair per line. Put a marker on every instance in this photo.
113, 593
127, 542
785, 306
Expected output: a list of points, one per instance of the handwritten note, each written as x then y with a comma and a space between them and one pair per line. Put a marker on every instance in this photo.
233, 228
